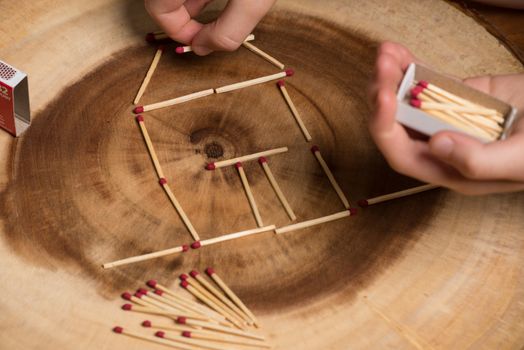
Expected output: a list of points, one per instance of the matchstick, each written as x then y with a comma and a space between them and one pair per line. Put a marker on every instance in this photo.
149, 144
179, 209
294, 110
329, 174
223, 339
189, 48
276, 188
249, 194
149, 74
232, 161
387, 197
262, 54
217, 328
450, 107
174, 101
244, 84
211, 273
193, 342
129, 297
313, 222
210, 303
156, 36
151, 339
149, 256
152, 311
208, 286
236, 235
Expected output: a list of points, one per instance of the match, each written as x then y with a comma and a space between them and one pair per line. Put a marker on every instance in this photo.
223, 339
451, 107
149, 256
404, 193
156, 36
167, 304
211, 273
149, 74
313, 222
331, 177
174, 101
262, 54
150, 148
151, 339
217, 328
244, 84
129, 297
236, 235
294, 111
188, 48
276, 188
232, 161
249, 194
193, 342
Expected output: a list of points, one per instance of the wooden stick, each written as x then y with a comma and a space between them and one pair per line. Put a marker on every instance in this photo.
217, 328
149, 144
330, 176
227, 162
155, 311
193, 342
244, 84
224, 339
149, 74
395, 195
294, 110
451, 107
188, 48
313, 222
156, 36
211, 273
249, 194
128, 296
236, 235
149, 256
179, 209
173, 101
144, 295
151, 339
262, 54
210, 303
276, 188
204, 283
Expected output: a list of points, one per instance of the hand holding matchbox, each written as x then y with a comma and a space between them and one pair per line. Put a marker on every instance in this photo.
429, 102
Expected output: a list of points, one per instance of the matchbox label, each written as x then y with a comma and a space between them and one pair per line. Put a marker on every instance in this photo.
7, 115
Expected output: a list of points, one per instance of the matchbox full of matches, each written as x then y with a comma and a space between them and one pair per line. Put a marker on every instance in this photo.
430, 102
15, 115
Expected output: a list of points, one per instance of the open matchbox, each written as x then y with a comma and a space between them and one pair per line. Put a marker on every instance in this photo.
15, 113
424, 123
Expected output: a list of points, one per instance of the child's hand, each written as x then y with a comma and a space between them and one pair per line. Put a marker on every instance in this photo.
449, 159
226, 33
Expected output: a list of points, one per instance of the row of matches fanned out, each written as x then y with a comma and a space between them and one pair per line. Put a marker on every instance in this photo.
215, 319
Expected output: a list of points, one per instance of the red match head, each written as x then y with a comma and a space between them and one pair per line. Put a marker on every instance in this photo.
139, 118
416, 91
179, 50
184, 284
138, 109
363, 203
238, 165
196, 245
146, 323
139, 295
162, 181
353, 211
423, 83
194, 273
315, 149
185, 248
289, 72
161, 47
127, 307
210, 166
150, 37
183, 277
159, 292
415, 102
151, 283
181, 320
262, 160
126, 296
186, 334
160, 334
142, 291
118, 329
281, 82
210, 271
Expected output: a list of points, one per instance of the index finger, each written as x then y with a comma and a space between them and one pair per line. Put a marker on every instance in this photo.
174, 18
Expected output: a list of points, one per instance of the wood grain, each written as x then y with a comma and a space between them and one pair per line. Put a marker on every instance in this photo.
436, 270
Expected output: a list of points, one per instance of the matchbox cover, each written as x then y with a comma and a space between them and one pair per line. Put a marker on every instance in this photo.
15, 114
424, 123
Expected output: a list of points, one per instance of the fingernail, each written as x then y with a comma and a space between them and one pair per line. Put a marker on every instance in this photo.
442, 147
201, 50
